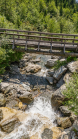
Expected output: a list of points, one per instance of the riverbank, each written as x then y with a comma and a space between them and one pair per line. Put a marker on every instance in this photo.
25, 88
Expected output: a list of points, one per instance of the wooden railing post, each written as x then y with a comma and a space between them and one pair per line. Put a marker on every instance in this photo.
18, 34
51, 45
13, 46
39, 43
28, 34
73, 41
26, 44
61, 40
64, 45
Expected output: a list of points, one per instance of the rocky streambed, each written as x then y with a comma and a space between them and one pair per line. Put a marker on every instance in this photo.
31, 100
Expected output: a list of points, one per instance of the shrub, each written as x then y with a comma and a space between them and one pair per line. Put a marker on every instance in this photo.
7, 55
71, 93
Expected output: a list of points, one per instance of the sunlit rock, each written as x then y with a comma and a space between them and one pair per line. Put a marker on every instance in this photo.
51, 62
26, 97
33, 68
9, 124
64, 122
58, 97
73, 66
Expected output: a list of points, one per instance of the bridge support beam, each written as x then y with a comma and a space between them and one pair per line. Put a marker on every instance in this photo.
66, 54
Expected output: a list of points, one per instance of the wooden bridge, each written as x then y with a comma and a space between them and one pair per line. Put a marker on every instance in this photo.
42, 42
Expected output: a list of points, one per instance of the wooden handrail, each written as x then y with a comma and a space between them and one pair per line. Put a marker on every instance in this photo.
47, 33
73, 39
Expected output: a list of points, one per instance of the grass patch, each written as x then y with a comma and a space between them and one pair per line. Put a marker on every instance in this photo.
71, 93
62, 63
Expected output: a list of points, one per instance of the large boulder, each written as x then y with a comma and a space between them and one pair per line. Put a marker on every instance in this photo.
73, 66
58, 97
51, 62
8, 125
64, 122
58, 73
2, 100
33, 68
26, 97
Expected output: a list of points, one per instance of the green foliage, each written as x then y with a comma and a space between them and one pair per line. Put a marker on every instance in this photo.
71, 93
41, 15
0, 80
7, 55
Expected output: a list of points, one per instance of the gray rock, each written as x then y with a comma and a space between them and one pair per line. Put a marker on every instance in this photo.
2, 100
23, 63
50, 80
65, 111
1, 115
51, 62
58, 97
58, 73
14, 69
73, 66
47, 134
60, 83
51, 72
64, 122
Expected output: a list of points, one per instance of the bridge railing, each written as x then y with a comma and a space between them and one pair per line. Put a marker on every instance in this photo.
41, 37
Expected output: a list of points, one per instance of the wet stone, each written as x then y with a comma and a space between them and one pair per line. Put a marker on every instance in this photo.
47, 134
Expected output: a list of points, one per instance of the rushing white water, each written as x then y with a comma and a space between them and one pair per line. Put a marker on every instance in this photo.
40, 113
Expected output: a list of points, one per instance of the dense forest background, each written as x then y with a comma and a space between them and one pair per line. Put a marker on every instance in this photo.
59, 16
